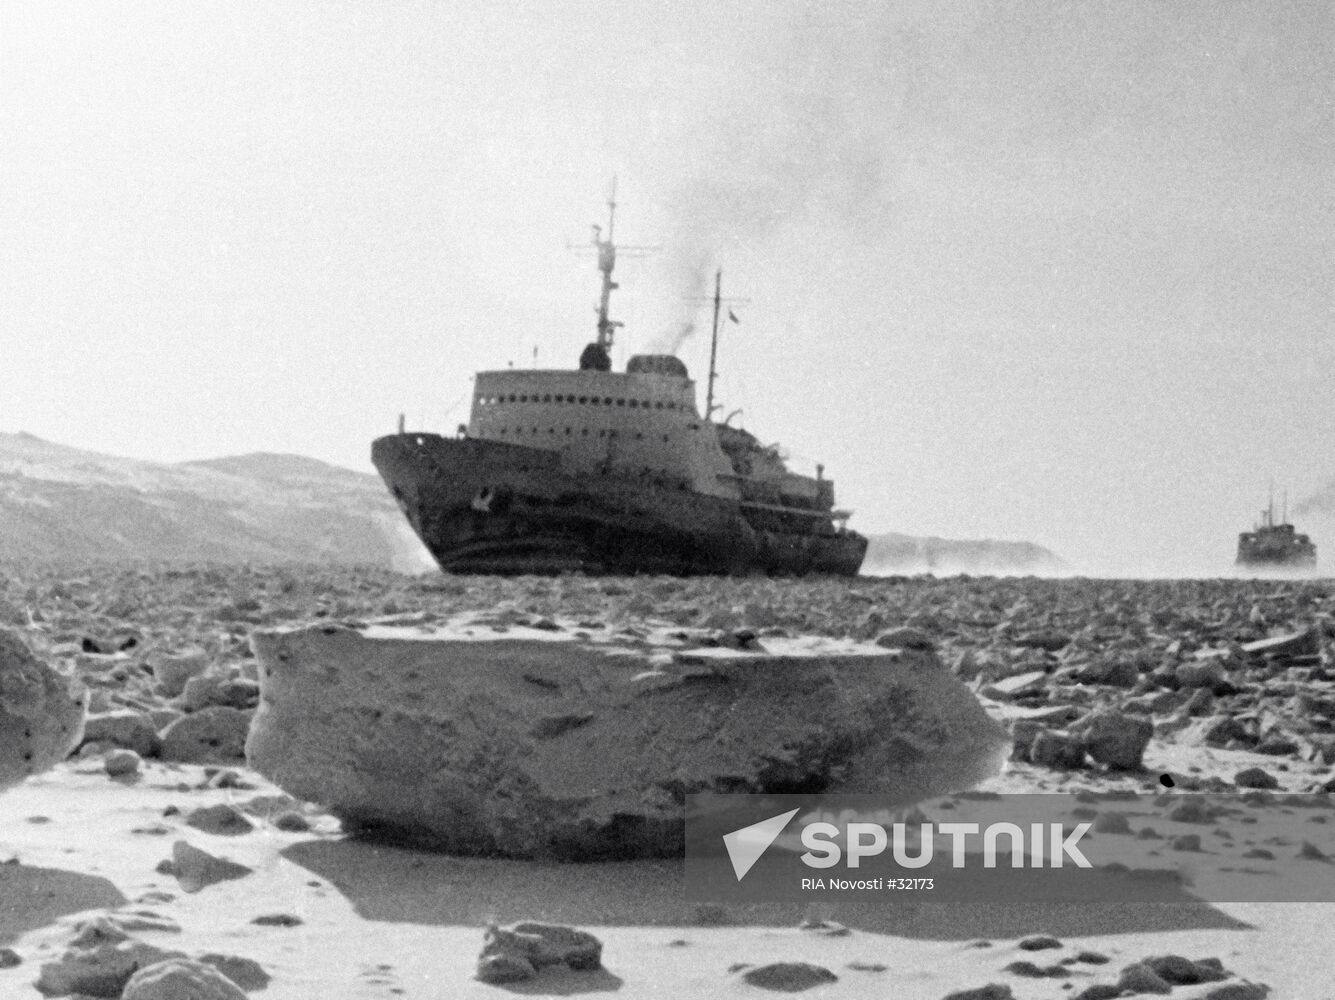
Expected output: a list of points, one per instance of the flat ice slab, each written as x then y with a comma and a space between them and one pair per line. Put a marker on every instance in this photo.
567, 742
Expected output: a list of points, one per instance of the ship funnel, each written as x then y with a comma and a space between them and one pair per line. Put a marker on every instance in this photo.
657, 364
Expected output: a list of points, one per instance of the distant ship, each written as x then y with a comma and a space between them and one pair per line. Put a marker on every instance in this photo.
1272, 544
611, 473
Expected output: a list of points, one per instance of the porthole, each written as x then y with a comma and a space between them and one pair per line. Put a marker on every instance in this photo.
634, 403
583, 399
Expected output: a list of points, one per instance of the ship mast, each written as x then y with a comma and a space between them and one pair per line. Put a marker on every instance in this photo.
598, 355
607, 259
718, 300
713, 345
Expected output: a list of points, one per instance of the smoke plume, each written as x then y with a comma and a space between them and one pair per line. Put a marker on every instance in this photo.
688, 277
806, 138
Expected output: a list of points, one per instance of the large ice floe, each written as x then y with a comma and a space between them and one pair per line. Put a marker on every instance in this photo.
556, 740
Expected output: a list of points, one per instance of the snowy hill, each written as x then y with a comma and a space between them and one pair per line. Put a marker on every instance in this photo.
66, 504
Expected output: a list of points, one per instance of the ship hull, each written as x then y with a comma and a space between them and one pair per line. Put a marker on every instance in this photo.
483, 506
1277, 560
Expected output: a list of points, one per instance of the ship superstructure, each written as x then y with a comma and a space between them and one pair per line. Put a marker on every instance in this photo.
602, 471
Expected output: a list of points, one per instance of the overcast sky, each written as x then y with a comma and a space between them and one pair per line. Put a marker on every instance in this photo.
1054, 271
